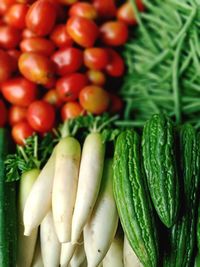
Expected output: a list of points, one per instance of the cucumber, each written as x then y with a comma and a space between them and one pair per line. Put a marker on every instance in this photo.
160, 166
7, 210
133, 200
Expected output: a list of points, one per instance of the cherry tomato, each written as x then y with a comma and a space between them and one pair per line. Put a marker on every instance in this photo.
28, 34
16, 114
38, 45
5, 66
60, 37
115, 67
96, 77
15, 16
83, 9
69, 86
94, 99
36, 67
114, 33
4, 5
67, 2
21, 131
9, 37
67, 60
14, 56
41, 17
116, 104
106, 8
95, 58
83, 31
19, 91
71, 110
41, 116
52, 98
3, 112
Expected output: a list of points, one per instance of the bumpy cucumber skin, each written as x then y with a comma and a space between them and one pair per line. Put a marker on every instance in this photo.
182, 236
132, 199
160, 167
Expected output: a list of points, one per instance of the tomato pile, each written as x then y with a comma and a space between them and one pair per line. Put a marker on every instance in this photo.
58, 60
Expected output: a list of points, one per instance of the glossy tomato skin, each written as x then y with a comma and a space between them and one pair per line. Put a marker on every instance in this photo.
9, 37
16, 114
96, 58
52, 98
69, 86
41, 116
19, 91
115, 67
67, 2
26, 33
5, 66
36, 67
114, 33
3, 112
67, 60
15, 16
82, 30
71, 110
41, 17
116, 104
4, 5
94, 99
106, 9
60, 37
83, 9
37, 44
21, 131
96, 77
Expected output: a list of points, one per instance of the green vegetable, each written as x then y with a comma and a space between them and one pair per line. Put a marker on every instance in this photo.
182, 237
7, 210
132, 199
158, 148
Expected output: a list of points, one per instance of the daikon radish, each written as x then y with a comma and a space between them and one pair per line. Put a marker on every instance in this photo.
26, 244
50, 246
78, 257
39, 200
90, 175
130, 259
67, 251
102, 225
37, 259
68, 153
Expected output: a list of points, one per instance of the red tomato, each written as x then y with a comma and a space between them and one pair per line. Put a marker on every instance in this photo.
52, 98
67, 60
36, 67
94, 99
15, 16
106, 8
83, 31
96, 77
41, 17
67, 2
28, 34
69, 86
116, 104
41, 116
14, 56
6, 67
16, 114
38, 45
19, 91
21, 131
83, 9
114, 33
9, 37
3, 112
95, 58
60, 37
4, 5
71, 110
126, 13
115, 67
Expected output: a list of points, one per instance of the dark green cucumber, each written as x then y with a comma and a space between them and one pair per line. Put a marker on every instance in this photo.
160, 166
7, 210
182, 236
133, 200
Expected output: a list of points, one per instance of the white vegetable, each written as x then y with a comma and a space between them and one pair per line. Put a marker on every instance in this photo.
37, 259
67, 251
50, 246
90, 175
39, 200
78, 257
68, 153
102, 225
130, 259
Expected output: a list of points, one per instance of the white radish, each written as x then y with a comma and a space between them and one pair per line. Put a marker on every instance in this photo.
114, 256
68, 153
130, 258
78, 257
84, 264
102, 225
39, 200
37, 259
50, 246
67, 251
26, 244
90, 175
